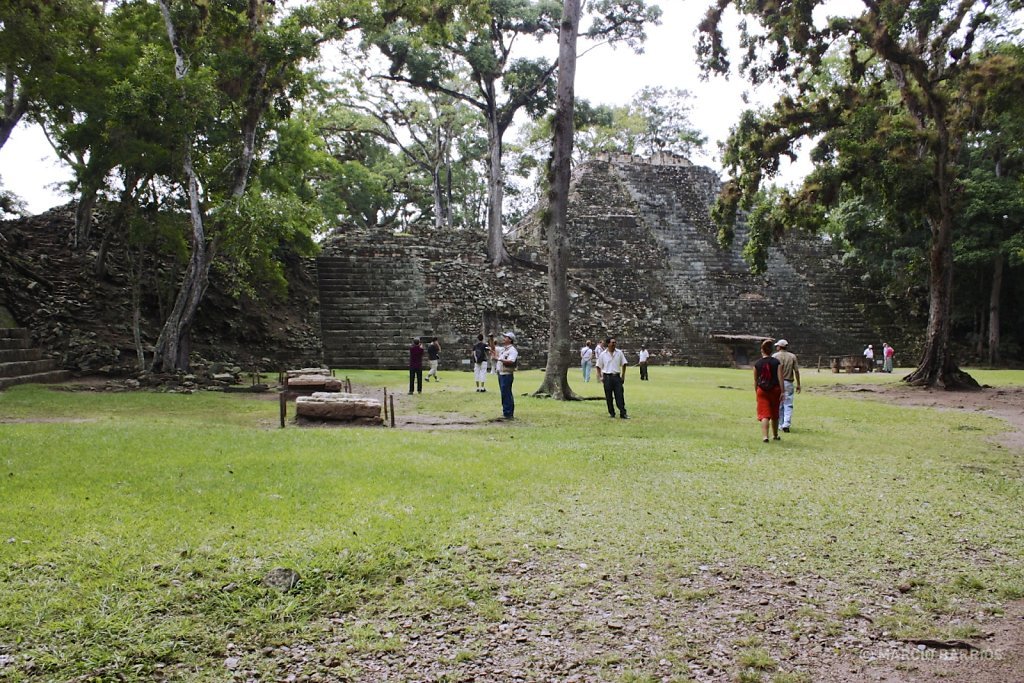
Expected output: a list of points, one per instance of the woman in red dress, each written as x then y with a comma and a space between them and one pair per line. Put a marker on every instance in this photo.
768, 388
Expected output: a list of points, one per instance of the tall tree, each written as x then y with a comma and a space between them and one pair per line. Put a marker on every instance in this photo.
915, 69
556, 374
234, 62
502, 84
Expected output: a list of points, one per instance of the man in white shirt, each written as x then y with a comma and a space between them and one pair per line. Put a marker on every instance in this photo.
587, 359
644, 356
612, 364
869, 355
508, 356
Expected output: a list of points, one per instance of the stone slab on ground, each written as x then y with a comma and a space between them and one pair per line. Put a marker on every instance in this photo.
321, 383
338, 407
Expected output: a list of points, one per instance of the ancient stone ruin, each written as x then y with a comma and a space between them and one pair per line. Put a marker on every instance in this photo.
646, 267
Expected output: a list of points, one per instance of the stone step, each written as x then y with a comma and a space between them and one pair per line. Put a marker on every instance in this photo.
36, 378
14, 333
13, 355
27, 367
15, 343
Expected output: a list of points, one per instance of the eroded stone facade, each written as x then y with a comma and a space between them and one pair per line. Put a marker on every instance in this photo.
646, 267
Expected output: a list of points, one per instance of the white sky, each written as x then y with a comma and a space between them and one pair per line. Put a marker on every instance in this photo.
603, 76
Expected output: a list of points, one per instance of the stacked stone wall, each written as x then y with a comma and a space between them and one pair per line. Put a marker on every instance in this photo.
646, 267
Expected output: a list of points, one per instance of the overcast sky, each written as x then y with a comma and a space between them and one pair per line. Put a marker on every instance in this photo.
603, 76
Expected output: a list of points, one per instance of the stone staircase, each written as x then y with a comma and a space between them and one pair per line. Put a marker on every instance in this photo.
22, 364
371, 306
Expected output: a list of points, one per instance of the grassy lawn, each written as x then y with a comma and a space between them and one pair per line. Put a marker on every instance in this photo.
135, 528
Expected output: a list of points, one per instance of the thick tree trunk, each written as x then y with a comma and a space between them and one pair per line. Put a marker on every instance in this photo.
993, 308
497, 254
83, 214
937, 366
556, 381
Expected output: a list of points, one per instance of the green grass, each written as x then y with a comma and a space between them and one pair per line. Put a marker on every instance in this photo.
134, 528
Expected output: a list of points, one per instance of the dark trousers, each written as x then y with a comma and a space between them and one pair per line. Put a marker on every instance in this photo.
613, 389
508, 402
643, 371
416, 377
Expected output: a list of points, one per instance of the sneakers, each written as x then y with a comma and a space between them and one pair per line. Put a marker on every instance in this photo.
786, 429
624, 416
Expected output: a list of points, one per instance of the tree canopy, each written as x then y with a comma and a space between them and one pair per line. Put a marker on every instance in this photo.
889, 96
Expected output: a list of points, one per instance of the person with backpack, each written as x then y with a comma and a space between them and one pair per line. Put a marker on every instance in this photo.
479, 354
768, 389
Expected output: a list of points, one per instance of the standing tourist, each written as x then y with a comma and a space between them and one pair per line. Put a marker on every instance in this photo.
612, 364
587, 359
790, 374
508, 358
434, 356
644, 356
869, 356
416, 366
887, 353
768, 389
479, 353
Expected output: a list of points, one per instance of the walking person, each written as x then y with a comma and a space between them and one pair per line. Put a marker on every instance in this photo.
587, 359
790, 381
479, 353
434, 356
598, 350
416, 352
644, 357
612, 364
508, 358
768, 390
869, 356
887, 357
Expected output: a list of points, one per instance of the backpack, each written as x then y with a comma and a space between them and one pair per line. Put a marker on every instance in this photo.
766, 377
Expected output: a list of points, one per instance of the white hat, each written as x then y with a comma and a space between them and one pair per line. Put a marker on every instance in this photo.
782, 343
511, 335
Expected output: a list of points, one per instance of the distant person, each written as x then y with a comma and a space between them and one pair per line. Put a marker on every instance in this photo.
508, 359
434, 356
587, 359
480, 353
416, 352
768, 389
644, 357
790, 381
612, 364
887, 357
869, 356
598, 350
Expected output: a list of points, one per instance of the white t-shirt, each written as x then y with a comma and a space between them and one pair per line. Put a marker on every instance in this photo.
611, 362
508, 353
586, 353
644, 355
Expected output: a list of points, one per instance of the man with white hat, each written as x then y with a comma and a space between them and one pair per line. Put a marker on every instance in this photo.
507, 359
790, 370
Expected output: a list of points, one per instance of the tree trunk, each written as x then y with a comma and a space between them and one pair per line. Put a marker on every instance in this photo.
993, 308
497, 254
15, 107
172, 346
556, 382
937, 366
83, 214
